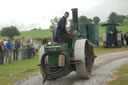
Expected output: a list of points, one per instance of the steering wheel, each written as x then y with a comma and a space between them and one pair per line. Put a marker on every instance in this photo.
69, 35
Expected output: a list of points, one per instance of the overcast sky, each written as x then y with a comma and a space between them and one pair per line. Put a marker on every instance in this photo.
27, 14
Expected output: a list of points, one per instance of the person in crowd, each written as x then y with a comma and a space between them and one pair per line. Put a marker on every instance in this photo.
16, 48
126, 38
61, 29
5, 50
122, 38
9, 48
36, 47
29, 49
32, 48
23, 49
1, 52
5, 42
41, 51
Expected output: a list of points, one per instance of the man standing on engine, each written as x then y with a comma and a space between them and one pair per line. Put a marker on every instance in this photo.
61, 29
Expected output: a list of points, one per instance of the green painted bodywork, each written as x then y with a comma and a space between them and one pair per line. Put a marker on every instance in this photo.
111, 32
55, 49
75, 37
90, 32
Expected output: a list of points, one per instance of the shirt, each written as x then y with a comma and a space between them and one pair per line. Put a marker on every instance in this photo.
36, 46
9, 46
5, 42
17, 45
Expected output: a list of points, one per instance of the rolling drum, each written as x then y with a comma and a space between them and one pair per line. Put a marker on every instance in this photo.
83, 53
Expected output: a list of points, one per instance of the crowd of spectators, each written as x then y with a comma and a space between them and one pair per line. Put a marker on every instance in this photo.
11, 50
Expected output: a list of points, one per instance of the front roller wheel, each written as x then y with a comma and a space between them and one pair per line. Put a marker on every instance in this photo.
83, 53
44, 75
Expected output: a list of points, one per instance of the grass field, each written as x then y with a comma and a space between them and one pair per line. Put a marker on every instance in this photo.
10, 73
33, 34
100, 50
120, 77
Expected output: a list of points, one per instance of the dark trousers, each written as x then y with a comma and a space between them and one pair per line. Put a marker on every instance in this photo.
1, 58
60, 39
122, 40
60, 36
126, 41
33, 52
15, 54
29, 53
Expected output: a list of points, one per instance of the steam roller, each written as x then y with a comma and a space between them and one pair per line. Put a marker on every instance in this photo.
76, 54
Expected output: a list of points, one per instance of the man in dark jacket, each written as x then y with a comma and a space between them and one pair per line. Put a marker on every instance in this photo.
61, 29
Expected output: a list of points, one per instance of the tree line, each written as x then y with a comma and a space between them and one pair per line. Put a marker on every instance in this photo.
112, 18
116, 18
12, 31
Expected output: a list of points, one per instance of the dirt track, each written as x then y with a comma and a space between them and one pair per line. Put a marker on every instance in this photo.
102, 72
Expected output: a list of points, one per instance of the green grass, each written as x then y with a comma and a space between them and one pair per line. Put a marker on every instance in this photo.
100, 50
120, 77
36, 34
33, 34
123, 28
10, 73
101, 30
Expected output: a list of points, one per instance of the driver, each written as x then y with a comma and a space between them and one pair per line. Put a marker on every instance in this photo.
61, 29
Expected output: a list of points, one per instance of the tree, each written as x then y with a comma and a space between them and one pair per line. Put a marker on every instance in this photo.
121, 18
126, 16
84, 19
54, 23
115, 18
96, 20
10, 32
89, 21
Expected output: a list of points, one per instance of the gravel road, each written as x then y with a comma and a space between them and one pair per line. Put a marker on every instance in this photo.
102, 72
